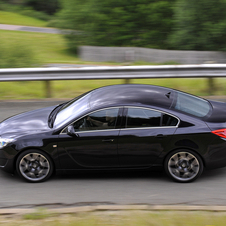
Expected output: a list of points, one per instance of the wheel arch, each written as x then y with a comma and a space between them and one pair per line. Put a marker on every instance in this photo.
188, 149
33, 148
179, 168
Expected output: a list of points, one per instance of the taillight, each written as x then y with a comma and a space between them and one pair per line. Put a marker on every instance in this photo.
220, 132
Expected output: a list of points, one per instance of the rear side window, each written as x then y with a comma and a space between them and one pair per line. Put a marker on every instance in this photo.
168, 120
141, 118
192, 105
138, 117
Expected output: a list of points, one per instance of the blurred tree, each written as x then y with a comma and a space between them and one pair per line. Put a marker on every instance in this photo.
48, 6
145, 23
13, 1
199, 25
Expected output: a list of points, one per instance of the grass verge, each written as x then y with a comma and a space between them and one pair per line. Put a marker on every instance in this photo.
48, 48
70, 89
123, 218
52, 48
18, 19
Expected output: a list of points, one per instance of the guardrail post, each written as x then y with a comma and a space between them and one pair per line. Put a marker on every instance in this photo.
211, 85
127, 81
48, 89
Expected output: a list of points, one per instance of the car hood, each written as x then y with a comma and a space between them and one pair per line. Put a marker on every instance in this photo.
26, 123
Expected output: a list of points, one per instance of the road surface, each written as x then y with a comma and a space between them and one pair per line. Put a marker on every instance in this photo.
106, 188
29, 29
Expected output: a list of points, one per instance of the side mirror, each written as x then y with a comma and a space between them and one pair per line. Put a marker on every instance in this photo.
71, 131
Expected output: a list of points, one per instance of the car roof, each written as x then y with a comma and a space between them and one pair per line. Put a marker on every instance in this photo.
131, 94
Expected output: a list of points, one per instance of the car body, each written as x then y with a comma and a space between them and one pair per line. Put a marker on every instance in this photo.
120, 127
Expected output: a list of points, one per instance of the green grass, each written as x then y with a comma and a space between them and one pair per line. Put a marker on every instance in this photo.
17, 19
151, 63
70, 89
48, 48
52, 48
122, 218
40, 213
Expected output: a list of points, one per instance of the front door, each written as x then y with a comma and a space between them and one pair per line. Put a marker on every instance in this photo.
95, 145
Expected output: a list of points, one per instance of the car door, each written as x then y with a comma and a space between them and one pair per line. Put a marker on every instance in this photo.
145, 135
95, 142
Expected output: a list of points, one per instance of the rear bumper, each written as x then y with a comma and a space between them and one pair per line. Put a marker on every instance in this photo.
216, 157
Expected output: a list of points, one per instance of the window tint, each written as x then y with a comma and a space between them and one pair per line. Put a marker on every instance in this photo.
138, 117
192, 105
168, 120
99, 120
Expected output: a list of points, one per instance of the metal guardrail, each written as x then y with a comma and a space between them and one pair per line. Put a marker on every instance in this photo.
112, 72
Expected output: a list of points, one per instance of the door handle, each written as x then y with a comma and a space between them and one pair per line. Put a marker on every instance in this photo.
160, 136
108, 140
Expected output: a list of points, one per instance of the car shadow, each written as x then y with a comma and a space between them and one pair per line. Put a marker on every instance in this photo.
156, 175
100, 175
214, 173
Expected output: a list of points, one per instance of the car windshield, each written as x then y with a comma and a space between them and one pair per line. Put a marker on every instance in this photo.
192, 105
72, 109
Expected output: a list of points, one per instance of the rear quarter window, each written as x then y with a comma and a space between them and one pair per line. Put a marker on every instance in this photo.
192, 105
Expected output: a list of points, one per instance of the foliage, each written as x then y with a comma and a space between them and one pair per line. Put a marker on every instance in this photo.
48, 6
24, 10
16, 55
199, 25
118, 23
33, 13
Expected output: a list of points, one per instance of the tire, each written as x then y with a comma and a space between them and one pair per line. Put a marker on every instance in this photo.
34, 166
183, 166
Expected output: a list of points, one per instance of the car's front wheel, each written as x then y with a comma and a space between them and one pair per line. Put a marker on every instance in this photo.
34, 166
183, 166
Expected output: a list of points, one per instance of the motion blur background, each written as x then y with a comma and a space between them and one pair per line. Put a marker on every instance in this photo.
110, 32
139, 32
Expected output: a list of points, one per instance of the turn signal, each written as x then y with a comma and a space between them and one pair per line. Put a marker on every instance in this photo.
220, 132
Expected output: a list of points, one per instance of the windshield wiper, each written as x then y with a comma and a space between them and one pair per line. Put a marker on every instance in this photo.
53, 114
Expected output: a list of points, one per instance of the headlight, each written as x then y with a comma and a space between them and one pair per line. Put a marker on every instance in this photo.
5, 141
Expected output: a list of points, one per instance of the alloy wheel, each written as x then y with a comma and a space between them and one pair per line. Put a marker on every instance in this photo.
184, 166
34, 167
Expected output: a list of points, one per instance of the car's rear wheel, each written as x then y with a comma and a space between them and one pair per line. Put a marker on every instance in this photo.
183, 166
34, 166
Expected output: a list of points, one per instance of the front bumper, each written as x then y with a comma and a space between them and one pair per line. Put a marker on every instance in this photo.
7, 156
7, 165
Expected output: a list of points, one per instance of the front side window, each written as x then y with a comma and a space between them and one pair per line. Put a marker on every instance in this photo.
99, 120
141, 118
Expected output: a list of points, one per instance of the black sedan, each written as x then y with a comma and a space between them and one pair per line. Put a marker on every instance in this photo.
121, 127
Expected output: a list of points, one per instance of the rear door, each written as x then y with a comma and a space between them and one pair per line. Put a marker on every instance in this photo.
145, 135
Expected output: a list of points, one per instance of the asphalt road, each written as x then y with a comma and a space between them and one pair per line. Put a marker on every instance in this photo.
29, 29
106, 188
